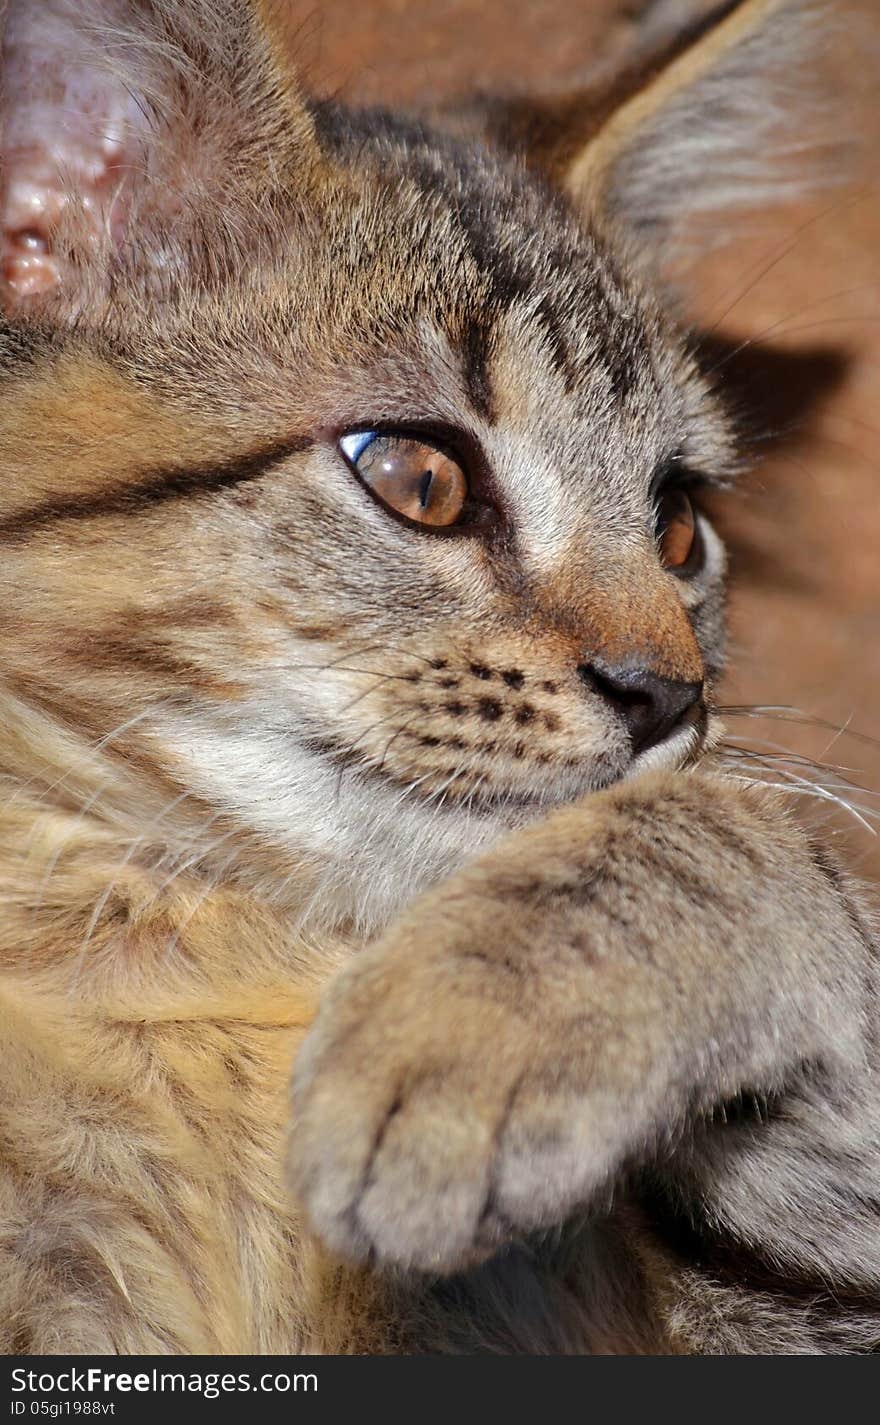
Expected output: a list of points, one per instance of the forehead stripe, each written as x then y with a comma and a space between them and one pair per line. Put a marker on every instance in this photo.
475, 347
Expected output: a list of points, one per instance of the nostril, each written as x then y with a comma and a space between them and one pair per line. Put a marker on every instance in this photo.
649, 705
607, 687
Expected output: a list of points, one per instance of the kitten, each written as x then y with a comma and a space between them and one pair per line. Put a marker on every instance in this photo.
360, 635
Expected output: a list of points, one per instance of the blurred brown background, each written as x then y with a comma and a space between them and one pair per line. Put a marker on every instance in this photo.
801, 285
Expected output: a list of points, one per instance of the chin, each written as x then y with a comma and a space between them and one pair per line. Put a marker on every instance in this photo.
374, 845
682, 749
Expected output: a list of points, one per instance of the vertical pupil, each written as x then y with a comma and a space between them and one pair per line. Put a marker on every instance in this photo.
425, 488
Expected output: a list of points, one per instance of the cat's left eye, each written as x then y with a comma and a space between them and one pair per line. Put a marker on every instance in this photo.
677, 532
409, 475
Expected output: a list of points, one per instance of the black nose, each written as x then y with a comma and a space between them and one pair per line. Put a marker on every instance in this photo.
650, 705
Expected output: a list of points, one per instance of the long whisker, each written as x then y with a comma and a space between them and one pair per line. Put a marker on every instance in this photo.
342, 668
380, 678
781, 327
789, 244
795, 782
774, 752
783, 712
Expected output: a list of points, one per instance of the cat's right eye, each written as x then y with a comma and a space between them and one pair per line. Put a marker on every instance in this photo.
677, 531
412, 477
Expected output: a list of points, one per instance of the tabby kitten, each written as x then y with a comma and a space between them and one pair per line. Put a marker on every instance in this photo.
360, 629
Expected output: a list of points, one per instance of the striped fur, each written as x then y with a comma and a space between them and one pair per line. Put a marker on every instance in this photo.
286, 780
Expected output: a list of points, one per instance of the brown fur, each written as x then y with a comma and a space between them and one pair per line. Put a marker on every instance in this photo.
251, 723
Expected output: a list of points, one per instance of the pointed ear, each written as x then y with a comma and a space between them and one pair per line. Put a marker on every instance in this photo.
702, 116
123, 122
706, 127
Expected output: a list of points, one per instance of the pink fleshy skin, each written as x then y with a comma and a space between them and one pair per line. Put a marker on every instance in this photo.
68, 124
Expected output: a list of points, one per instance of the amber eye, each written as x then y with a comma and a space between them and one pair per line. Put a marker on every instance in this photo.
413, 478
677, 533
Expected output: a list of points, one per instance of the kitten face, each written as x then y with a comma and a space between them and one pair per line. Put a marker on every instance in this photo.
195, 577
318, 670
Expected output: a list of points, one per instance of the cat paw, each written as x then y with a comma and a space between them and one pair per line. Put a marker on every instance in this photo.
437, 1118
